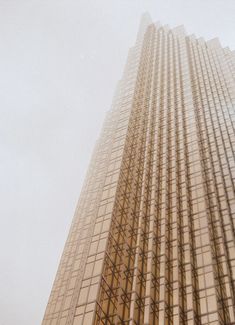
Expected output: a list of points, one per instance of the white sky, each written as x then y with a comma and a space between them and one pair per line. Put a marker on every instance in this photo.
59, 63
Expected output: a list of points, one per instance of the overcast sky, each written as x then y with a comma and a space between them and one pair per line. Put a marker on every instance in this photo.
60, 61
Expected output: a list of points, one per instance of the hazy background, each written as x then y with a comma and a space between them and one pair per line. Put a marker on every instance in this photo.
59, 63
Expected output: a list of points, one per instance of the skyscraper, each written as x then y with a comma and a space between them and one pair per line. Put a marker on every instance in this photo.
153, 236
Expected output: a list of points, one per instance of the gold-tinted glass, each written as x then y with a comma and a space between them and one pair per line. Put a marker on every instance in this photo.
153, 237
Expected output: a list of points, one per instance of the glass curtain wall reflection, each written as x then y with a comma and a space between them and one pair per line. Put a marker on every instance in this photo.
153, 236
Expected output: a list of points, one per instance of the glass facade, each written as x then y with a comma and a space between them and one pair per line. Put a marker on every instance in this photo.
153, 236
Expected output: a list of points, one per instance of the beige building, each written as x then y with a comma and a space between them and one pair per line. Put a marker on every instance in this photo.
153, 237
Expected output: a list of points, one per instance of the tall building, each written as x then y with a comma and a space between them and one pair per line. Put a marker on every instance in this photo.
153, 236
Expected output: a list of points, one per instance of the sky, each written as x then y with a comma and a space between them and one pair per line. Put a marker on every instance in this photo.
60, 61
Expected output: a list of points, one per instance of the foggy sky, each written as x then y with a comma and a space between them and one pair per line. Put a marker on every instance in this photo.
60, 61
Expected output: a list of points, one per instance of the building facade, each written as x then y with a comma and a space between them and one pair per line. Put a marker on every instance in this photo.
153, 236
